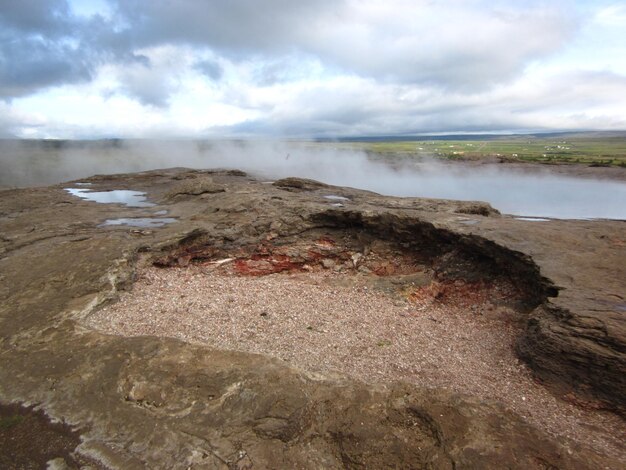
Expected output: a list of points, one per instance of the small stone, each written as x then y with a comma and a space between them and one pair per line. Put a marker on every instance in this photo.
356, 259
328, 263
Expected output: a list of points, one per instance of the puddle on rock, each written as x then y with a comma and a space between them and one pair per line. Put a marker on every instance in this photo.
533, 219
333, 197
143, 222
116, 196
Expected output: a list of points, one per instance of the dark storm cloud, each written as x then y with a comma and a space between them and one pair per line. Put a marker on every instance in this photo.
40, 46
29, 64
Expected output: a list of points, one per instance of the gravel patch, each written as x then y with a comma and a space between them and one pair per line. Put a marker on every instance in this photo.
317, 322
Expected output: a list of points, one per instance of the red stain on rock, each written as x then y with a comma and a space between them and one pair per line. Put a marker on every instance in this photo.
262, 265
325, 242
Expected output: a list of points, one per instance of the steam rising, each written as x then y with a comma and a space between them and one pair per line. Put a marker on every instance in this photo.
537, 194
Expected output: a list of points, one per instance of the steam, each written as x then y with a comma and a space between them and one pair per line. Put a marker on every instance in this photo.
27, 163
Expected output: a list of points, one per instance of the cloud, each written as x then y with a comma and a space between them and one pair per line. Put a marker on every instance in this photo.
354, 106
34, 48
450, 43
153, 76
30, 64
321, 67
453, 45
50, 18
210, 68
236, 27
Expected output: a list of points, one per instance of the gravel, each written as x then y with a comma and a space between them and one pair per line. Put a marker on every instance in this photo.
320, 323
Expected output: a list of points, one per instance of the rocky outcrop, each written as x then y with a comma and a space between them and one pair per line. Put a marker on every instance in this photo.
150, 402
194, 187
582, 356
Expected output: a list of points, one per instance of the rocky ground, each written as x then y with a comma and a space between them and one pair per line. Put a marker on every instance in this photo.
184, 398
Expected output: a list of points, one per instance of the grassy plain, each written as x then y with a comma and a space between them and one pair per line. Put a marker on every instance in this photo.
593, 148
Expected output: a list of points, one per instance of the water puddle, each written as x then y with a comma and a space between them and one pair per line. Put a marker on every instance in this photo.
332, 197
83, 184
116, 196
533, 219
143, 222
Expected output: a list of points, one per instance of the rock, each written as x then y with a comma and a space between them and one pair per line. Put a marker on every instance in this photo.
299, 183
161, 403
57, 464
356, 259
477, 208
194, 187
328, 263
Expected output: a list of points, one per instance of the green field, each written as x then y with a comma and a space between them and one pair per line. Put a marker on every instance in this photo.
593, 148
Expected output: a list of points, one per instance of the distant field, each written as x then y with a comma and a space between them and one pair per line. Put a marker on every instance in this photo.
577, 148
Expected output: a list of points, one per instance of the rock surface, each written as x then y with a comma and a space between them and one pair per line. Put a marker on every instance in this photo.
159, 403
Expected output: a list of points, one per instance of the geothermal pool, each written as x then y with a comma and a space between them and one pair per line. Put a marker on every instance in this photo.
529, 195
528, 191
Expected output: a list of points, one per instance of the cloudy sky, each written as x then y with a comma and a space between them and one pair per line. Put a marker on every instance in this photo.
290, 68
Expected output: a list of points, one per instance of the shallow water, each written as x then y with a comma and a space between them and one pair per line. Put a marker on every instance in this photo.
533, 219
116, 196
143, 222
537, 195
332, 197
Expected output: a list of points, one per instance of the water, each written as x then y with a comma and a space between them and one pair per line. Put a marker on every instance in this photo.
533, 219
127, 197
143, 222
539, 195
332, 197
534, 193
116, 196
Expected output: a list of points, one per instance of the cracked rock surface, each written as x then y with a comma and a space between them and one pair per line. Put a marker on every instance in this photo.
155, 402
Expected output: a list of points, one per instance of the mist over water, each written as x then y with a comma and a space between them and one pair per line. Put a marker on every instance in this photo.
539, 194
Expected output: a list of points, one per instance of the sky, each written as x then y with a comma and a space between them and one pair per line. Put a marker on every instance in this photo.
82, 69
